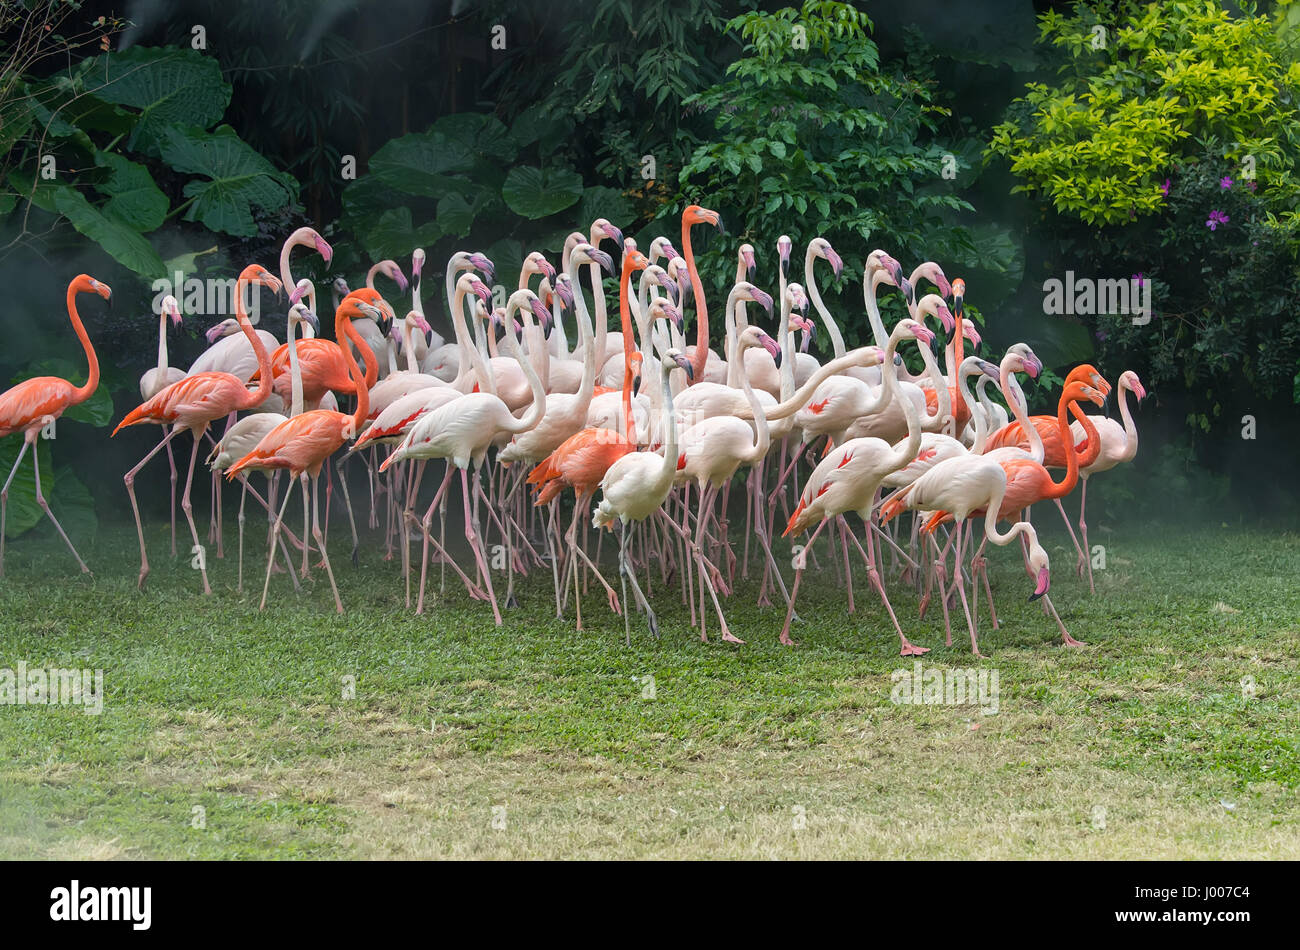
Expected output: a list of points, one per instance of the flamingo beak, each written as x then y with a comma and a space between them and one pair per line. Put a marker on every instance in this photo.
763, 299
325, 251
604, 260
908, 291
213, 334
924, 334
968, 330
481, 291
1044, 582
946, 318
417, 265
750, 266
297, 294
400, 279
481, 262
669, 251
836, 262
175, 314
548, 269
1140, 390
311, 318
685, 364
613, 233
1033, 366
772, 348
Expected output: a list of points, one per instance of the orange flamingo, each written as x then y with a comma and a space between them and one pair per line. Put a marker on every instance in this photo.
303, 443
35, 403
194, 403
698, 354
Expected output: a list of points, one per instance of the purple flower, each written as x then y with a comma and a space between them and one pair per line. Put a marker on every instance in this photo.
1250, 185
1225, 182
1164, 189
1216, 218
1140, 277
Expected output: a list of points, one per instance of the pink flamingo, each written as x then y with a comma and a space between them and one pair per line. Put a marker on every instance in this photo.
194, 403
303, 443
35, 403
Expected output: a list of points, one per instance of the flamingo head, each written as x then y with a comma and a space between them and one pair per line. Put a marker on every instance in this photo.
224, 328
587, 254
417, 263
367, 303
932, 305
322, 247
676, 359
340, 287
879, 260
1129, 380
822, 248
481, 262
663, 309
783, 246
935, 275
84, 283
958, 296
564, 289
257, 274
796, 298
299, 313
172, 309
602, 229
809, 329
662, 247
909, 292
918, 331
418, 322
1076, 390
536, 263
634, 259
1088, 373
694, 214
749, 292
393, 272
634, 362
971, 334
300, 290
1040, 566
747, 258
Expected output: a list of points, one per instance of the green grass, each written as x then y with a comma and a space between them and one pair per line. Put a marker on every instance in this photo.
755, 751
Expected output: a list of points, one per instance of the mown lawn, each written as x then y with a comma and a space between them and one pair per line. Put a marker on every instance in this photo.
464, 740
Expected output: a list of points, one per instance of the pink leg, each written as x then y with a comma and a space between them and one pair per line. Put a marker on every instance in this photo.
1083, 530
4, 497
320, 539
275, 536
188, 508
129, 480
798, 576
472, 536
171, 461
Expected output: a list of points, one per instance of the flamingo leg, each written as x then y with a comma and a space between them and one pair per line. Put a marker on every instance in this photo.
188, 508
4, 498
1083, 530
472, 536
320, 537
275, 536
45, 507
440, 497
906, 647
629, 577
352, 522
129, 480
798, 576
171, 461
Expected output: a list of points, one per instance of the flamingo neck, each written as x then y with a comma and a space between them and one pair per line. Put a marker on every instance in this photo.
668, 471
873, 309
906, 450
82, 393
1130, 427
942, 395
162, 343
295, 371
832, 328
343, 328
981, 418
1016, 400
701, 355
296, 239
538, 406
257, 396
762, 434
1066, 485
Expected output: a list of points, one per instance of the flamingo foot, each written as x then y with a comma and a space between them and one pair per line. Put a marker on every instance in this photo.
785, 639
911, 649
1069, 641
511, 603
729, 637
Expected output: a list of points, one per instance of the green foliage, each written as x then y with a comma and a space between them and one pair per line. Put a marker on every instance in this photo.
1146, 92
156, 105
812, 137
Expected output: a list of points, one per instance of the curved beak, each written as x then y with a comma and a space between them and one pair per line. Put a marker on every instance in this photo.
325, 251
541, 313
946, 319
481, 291
836, 262
481, 263
924, 334
685, 364
213, 334
604, 260
669, 251
417, 265
1033, 366
565, 291
763, 299
298, 292
750, 266
175, 313
400, 279
613, 233
970, 333
1044, 582
772, 348
547, 269
1140, 391
908, 291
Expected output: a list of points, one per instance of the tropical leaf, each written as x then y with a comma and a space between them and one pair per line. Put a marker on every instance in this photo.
602, 202
133, 198
168, 86
238, 178
419, 163
126, 246
391, 234
534, 193
73, 505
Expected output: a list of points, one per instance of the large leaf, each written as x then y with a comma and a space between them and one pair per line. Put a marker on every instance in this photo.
534, 193
169, 87
22, 512
238, 178
481, 133
133, 198
126, 245
73, 505
419, 164
609, 203
391, 234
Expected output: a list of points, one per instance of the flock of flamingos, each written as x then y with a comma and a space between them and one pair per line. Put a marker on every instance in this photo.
652, 429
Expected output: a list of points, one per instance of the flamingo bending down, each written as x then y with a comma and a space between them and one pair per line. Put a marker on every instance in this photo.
194, 403
303, 443
37, 402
